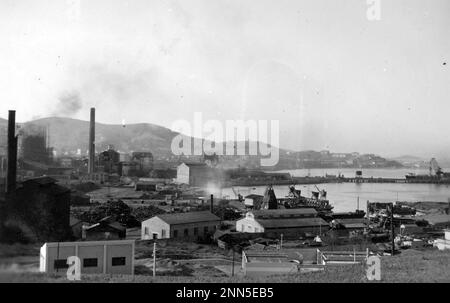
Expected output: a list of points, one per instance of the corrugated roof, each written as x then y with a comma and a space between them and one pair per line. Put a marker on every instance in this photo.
189, 217
195, 164
41, 180
291, 223
354, 225
284, 212
351, 221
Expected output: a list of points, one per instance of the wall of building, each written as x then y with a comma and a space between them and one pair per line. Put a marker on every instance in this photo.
183, 174
194, 230
103, 252
248, 225
155, 225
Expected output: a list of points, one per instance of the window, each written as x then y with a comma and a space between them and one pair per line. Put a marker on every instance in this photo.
175, 233
146, 231
249, 227
90, 262
205, 229
163, 233
60, 263
118, 261
242, 228
195, 231
186, 232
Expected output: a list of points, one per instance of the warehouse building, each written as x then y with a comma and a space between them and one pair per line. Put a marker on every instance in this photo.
97, 257
289, 222
190, 225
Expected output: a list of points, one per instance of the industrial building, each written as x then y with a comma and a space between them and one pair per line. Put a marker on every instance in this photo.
108, 160
40, 209
97, 257
190, 225
144, 161
443, 244
197, 174
289, 222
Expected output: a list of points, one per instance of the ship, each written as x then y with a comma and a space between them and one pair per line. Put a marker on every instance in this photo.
318, 200
436, 174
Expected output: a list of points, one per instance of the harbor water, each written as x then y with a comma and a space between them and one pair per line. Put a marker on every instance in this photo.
344, 196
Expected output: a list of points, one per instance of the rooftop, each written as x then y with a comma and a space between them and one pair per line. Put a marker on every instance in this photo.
189, 217
292, 223
284, 213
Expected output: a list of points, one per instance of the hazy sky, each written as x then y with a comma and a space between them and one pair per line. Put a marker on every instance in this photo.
334, 79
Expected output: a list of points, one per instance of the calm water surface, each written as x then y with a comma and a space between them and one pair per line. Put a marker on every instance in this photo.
344, 196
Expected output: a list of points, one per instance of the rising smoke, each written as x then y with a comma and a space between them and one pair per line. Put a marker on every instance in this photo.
69, 103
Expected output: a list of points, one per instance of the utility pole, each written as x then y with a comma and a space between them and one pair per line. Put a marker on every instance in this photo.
392, 228
154, 259
232, 267
281, 242
357, 204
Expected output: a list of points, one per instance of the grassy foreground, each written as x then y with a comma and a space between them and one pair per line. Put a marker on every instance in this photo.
427, 266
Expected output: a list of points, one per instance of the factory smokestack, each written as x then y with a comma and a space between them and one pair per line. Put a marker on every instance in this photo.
91, 164
211, 207
12, 153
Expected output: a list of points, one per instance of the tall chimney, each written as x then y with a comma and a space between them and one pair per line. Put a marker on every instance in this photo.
12, 153
211, 208
91, 164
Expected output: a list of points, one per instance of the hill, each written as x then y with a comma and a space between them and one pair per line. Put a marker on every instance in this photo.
68, 134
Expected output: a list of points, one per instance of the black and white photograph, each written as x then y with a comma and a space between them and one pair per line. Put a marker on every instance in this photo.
224, 143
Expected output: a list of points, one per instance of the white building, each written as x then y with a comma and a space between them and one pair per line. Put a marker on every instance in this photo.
443, 244
190, 225
97, 257
198, 174
274, 222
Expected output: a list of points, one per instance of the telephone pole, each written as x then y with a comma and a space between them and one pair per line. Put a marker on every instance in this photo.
154, 259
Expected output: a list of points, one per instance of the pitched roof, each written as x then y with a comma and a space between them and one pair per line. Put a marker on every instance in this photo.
351, 221
189, 217
41, 180
291, 223
288, 212
194, 164
102, 224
